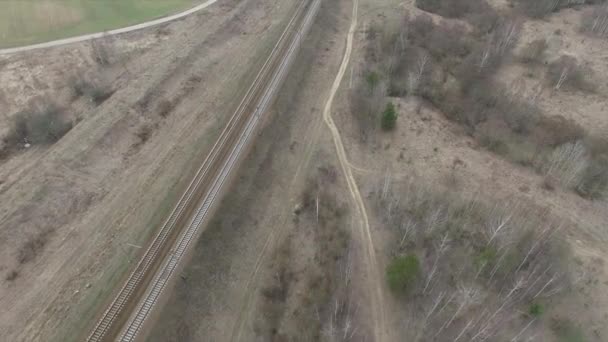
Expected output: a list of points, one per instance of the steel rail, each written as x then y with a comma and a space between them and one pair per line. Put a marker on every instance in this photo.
163, 276
152, 255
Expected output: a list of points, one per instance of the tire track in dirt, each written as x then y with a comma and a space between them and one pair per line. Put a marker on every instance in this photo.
373, 274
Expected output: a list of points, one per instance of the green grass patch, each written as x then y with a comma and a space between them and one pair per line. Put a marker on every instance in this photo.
402, 272
389, 117
24, 22
486, 257
566, 331
536, 310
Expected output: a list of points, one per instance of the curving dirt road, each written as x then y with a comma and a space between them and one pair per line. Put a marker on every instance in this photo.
161, 261
91, 36
373, 275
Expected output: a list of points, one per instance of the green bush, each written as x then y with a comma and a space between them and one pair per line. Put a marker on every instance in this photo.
372, 78
402, 272
566, 331
486, 257
389, 117
536, 310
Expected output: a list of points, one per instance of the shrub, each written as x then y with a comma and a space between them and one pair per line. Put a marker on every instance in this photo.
32, 247
143, 133
11, 275
448, 42
478, 12
100, 94
534, 52
165, 107
595, 21
594, 180
102, 50
429, 5
537, 8
566, 331
487, 256
556, 130
452, 8
566, 71
494, 144
389, 117
41, 127
536, 310
365, 106
548, 184
402, 272
475, 248
372, 78
568, 163
96, 91
542, 8
420, 29
445, 42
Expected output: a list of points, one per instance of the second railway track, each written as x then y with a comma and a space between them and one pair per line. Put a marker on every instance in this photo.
124, 317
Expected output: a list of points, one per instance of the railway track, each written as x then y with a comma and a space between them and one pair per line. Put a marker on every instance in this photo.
125, 316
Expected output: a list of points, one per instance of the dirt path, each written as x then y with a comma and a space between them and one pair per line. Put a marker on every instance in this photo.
373, 277
276, 234
91, 36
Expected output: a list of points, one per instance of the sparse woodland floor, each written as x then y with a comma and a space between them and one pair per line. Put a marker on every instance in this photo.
433, 171
480, 217
501, 257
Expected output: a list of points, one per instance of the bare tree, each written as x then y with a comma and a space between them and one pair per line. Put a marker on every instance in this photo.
101, 49
568, 163
496, 226
595, 21
416, 77
440, 250
467, 296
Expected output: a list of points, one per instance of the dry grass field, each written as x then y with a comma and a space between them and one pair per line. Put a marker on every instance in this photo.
468, 139
74, 205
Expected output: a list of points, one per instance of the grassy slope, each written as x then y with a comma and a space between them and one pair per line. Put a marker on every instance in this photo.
25, 22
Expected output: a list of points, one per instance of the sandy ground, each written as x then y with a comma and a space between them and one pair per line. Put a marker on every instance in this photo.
100, 190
